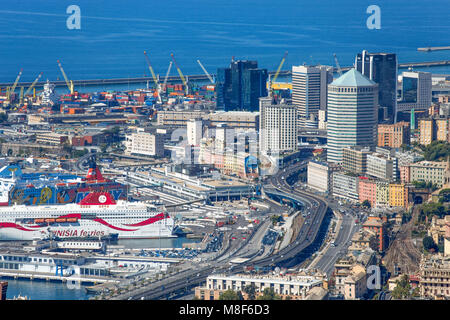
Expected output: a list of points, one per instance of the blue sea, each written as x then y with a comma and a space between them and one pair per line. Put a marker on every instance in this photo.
114, 34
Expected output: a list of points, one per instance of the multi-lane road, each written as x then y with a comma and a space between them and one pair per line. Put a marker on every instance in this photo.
307, 241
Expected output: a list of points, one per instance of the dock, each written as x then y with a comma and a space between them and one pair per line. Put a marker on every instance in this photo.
17, 274
200, 77
428, 49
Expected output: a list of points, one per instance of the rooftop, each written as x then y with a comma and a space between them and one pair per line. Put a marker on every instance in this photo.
353, 78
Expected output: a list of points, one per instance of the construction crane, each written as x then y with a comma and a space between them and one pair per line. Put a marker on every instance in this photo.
337, 64
206, 72
180, 73
277, 73
68, 83
30, 88
167, 75
155, 80
13, 88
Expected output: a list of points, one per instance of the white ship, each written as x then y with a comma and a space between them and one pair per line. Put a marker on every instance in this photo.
97, 215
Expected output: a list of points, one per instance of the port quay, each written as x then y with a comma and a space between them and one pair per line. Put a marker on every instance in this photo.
200, 77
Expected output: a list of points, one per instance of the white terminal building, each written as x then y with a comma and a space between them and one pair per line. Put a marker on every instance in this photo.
285, 285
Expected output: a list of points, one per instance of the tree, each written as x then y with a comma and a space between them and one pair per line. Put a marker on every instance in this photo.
403, 289
229, 295
366, 203
429, 244
374, 243
3, 117
250, 290
269, 294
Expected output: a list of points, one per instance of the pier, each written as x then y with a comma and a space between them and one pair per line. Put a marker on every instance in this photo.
200, 77
428, 49
28, 275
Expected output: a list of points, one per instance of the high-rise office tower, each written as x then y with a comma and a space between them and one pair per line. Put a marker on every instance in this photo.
254, 86
309, 90
223, 88
240, 86
277, 126
237, 74
416, 91
352, 113
382, 69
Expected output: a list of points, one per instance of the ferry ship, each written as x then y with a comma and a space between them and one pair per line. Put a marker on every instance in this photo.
97, 215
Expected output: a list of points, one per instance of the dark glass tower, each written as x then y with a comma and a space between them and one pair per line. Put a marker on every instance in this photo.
240, 86
382, 69
254, 86
223, 88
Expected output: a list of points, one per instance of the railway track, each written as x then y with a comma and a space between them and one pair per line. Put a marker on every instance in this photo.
402, 252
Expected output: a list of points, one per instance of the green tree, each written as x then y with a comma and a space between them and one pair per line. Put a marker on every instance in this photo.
3, 117
366, 203
269, 294
250, 290
229, 295
403, 289
374, 243
429, 244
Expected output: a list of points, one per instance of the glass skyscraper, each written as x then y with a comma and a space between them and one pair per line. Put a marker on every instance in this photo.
382, 69
240, 86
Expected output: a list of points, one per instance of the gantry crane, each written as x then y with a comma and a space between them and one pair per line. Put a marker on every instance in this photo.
155, 80
13, 88
181, 74
30, 88
68, 83
206, 72
337, 64
277, 73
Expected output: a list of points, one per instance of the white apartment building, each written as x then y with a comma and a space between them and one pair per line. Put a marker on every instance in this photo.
194, 131
144, 143
346, 186
320, 176
278, 127
382, 166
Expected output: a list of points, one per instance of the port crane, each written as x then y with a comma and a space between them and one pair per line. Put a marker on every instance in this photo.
13, 88
277, 73
337, 64
167, 76
68, 83
30, 88
155, 80
206, 72
181, 74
